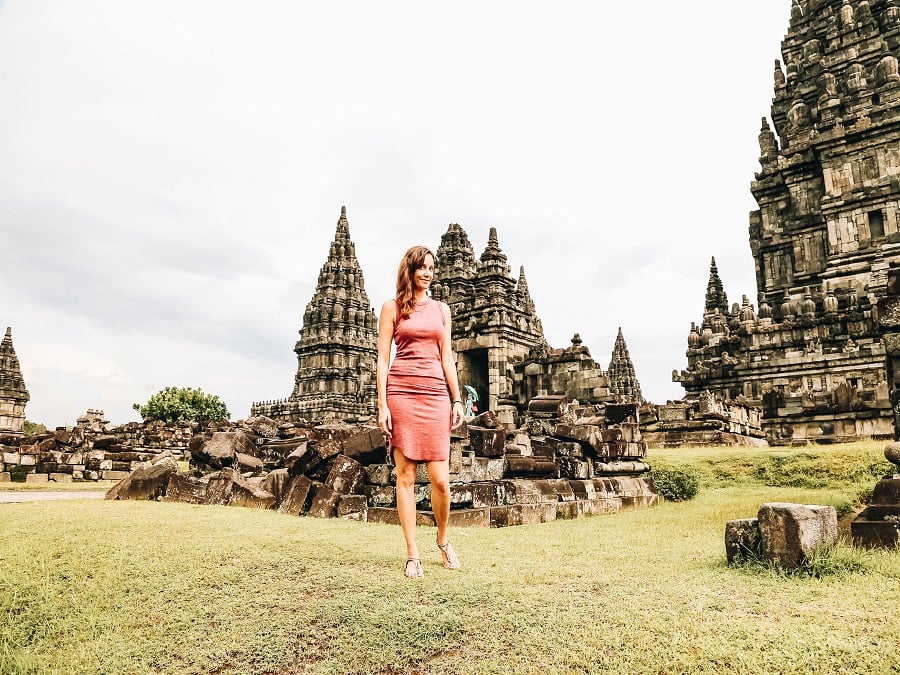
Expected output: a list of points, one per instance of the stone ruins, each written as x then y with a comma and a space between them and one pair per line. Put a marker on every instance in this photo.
588, 461
569, 461
13, 394
338, 344
498, 340
824, 238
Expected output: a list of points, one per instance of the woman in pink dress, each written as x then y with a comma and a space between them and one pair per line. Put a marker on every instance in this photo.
418, 398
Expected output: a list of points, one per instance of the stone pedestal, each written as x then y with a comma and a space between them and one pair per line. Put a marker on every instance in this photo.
878, 526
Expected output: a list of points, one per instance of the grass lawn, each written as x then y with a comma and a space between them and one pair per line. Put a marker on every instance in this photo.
141, 587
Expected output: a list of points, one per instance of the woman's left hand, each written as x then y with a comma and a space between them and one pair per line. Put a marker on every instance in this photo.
456, 417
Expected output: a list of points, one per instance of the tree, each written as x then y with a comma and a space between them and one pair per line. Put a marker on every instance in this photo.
31, 428
179, 404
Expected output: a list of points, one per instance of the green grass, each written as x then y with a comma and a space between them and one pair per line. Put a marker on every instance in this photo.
142, 587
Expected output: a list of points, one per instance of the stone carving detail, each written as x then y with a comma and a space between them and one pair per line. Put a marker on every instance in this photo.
813, 357
13, 394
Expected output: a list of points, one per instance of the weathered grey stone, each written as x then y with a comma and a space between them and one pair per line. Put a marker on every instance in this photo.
185, 488
352, 507
295, 495
324, 503
516, 465
789, 533
228, 487
248, 463
378, 474
742, 539
488, 494
146, 482
487, 442
347, 476
366, 446
275, 482
221, 449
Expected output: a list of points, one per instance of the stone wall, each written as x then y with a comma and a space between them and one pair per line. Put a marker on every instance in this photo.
704, 420
98, 451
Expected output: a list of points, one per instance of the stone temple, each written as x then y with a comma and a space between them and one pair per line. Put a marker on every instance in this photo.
498, 340
13, 394
824, 239
338, 344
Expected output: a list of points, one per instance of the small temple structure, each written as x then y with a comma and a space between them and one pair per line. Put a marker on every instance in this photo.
498, 340
826, 235
13, 394
338, 344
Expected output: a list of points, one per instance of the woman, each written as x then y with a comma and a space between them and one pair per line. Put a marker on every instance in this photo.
418, 398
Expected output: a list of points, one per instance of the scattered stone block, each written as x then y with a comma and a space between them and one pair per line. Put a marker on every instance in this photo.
221, 449
37, 478
61, 478
248, 463
367, 446
515, 465
324, 503
275, 482
381, 495
295, 495
486, 442
378, 474
742, 539
489, 494
789, 533
5, 477
347, 476
185, 488
228, 487
146, 482
352, 507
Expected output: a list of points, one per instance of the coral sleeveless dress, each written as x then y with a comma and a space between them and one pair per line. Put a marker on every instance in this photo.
417, 394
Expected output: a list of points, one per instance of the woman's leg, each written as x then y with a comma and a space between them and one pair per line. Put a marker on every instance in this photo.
406, 501
439, 477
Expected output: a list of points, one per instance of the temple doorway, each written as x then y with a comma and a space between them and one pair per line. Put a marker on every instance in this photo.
472, 367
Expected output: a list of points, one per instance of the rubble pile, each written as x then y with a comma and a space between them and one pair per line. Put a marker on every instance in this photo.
567, 461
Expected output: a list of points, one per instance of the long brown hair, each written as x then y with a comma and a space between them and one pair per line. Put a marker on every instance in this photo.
412, 260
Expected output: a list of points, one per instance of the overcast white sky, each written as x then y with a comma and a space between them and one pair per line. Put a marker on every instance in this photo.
171, 173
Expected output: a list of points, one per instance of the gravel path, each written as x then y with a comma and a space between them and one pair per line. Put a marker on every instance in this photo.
14, 496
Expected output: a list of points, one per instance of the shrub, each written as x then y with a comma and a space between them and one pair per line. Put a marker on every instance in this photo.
30, 428
676, 483
174, 404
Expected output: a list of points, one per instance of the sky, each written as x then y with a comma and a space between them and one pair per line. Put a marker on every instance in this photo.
171, 174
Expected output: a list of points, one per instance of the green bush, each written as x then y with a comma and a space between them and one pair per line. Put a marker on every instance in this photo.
676, 483
30, 428
175, 404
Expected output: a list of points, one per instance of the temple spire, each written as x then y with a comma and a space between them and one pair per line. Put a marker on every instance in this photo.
337, 348
623, 383
715, 292
13, 394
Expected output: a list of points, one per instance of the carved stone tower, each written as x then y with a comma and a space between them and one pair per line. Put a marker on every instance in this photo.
338, 344
13, 394
494, 320
623, 383
824, 237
